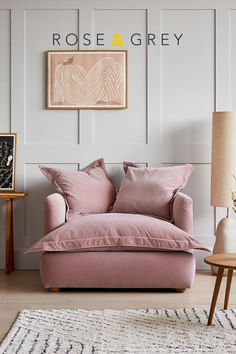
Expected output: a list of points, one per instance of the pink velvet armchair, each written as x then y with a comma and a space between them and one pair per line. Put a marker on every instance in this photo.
117, 269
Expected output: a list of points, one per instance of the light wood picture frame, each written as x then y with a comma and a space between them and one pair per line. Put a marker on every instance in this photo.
87, 79
8, 161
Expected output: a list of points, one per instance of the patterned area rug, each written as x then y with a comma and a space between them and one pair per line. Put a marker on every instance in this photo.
126, 331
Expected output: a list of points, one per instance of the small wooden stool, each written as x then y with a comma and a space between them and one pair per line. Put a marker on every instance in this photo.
221, 260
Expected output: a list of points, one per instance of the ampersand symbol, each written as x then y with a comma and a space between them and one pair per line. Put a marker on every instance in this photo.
116, 39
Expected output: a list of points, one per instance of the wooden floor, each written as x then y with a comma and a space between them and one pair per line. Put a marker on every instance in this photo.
22, 289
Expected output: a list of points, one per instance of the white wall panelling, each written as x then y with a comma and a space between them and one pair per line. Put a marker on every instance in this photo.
5, 19
129, 125
232, 59
188, 77
86, 115
43, 126
172, 91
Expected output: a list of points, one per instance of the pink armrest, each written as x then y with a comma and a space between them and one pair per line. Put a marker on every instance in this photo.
54, 212
183, 212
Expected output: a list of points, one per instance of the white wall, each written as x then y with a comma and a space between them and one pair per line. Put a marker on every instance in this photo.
172, 91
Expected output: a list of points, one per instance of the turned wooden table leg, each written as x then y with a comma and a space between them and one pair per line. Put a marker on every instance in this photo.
9, 237
215, 294
227, 290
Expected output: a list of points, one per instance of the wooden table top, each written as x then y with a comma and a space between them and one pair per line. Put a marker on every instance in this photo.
9, 195
226, 260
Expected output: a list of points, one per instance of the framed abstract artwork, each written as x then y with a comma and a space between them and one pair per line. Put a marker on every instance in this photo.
7, 161
87, 79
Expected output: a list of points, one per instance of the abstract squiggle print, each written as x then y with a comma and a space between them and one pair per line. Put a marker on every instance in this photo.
73, 85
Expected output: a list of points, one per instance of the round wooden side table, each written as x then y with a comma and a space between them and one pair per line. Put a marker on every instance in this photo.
222, 261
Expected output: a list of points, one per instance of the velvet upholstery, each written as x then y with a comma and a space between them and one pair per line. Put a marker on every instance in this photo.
117, 269
88, 191
54, 212
126, 269
116, 232
150, 191
127, 164
182, 209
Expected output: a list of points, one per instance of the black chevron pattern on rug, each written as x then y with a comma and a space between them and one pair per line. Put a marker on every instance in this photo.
124, 331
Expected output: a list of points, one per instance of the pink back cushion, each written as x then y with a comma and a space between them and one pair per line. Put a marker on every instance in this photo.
127, 164
150, 191
88, 191
116, 232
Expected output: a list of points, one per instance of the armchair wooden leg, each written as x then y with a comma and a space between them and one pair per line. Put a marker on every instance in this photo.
180, 290
54, 290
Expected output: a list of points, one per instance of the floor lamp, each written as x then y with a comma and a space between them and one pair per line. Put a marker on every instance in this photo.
223, 167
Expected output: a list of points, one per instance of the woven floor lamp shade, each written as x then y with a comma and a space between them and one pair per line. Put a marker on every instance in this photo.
223, 168
223, 164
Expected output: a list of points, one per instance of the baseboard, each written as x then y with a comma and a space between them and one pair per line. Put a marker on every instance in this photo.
31, 260
22, 261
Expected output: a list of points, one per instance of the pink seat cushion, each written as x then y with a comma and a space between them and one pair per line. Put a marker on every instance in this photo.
116, 232
88, 191
150, 191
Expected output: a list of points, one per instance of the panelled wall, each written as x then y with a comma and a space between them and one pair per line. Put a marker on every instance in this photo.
172, 91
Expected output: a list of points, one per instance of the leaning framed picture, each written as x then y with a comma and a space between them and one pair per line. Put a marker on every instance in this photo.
87, 79
7, 161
